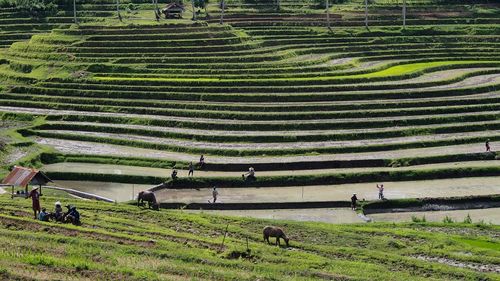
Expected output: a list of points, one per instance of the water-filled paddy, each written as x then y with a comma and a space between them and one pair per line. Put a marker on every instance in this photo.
393, 190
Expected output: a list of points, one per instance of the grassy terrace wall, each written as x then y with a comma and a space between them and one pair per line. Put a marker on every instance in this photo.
269, 84
119, 241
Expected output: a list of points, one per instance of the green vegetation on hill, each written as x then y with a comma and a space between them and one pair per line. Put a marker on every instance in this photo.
124, 242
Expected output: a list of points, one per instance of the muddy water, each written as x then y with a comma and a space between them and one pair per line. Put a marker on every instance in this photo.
486, 215
158, 172
393, 190
81, 147
368, 191
316, 215
119, 192
347, 216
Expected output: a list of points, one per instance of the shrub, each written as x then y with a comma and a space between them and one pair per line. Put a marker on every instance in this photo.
7, 3
468, 219
417, 219
36, 8
447, 219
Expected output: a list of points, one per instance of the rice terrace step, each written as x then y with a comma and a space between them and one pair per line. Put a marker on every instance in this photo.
340, 123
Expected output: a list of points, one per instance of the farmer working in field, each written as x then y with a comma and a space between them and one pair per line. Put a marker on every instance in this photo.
191, 169
202, 162
487, 144
174, 174
35, 200
353, 201
380, 191
215, 193
250, 175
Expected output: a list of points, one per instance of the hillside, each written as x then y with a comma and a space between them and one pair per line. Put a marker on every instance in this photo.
122, 242
270, 87
323, 100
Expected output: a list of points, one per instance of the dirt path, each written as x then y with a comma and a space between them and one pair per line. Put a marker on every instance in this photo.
157, 172
80, 147
280, 146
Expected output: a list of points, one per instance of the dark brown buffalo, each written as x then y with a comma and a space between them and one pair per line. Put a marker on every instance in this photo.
149, 197
271, 231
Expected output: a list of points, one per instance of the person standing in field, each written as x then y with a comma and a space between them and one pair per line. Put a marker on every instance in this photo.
35, 201
215, 193
380, 191
487, 145
353, 201
202, 162
191, 169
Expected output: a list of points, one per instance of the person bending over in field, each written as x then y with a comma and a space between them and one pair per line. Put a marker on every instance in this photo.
174, 174
250, 175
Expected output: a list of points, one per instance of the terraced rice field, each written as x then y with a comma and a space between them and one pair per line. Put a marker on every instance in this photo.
117, 241
270, 88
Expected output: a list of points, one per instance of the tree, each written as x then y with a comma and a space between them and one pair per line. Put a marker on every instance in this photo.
202, 4
36, 8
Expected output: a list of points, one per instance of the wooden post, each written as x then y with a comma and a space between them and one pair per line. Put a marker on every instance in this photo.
224, 239
404, 14
222, 7
74, 12
40, 186
328, 15
366, 13
12, 192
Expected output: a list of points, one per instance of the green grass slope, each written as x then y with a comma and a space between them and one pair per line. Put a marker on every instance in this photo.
123, 242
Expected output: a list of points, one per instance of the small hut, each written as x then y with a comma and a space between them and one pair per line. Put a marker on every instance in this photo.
22, 177
173, 11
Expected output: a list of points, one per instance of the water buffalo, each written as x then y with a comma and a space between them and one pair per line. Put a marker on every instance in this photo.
271, 231
149, 197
